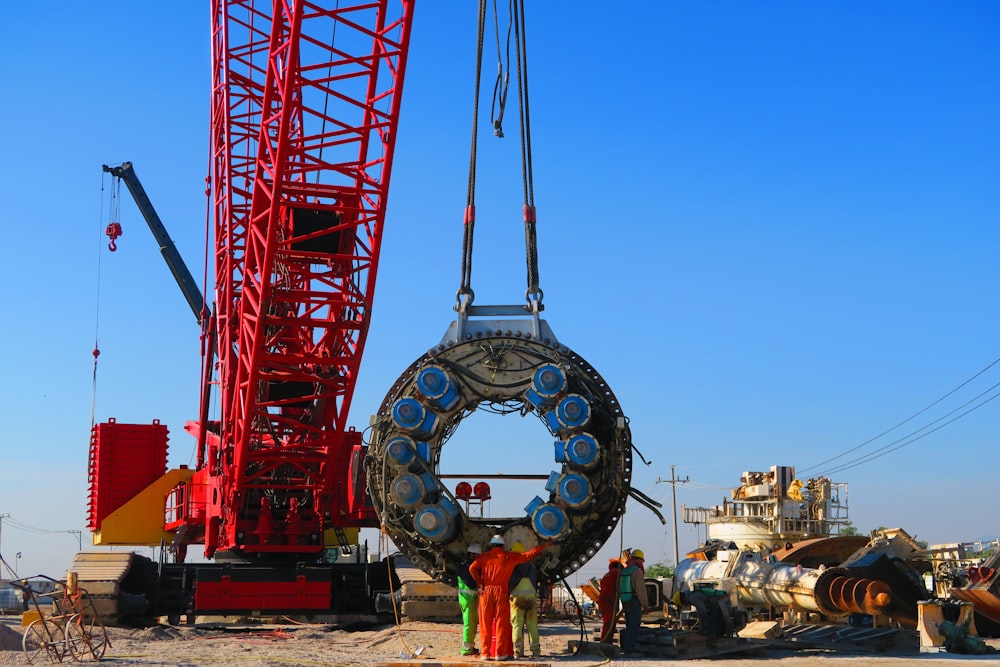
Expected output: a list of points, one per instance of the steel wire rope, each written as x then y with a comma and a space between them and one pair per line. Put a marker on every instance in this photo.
207, 337
534, 295
888, 449
533, 292
503, 80
465, 295
113, 210
326, 97
908, 419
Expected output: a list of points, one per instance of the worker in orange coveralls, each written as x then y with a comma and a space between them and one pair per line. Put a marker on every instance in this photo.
492, 572
607, 600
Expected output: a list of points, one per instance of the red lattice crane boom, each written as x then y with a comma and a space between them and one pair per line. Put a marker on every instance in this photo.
305, 103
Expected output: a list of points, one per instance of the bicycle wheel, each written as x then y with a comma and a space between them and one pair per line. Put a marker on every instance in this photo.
571, 609
43, 637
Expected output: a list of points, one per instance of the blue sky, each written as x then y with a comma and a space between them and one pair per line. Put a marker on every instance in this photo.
771, 226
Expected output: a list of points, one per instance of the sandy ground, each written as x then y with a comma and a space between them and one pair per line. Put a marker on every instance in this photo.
416, 643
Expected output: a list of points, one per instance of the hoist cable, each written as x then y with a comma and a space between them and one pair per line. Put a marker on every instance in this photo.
208, 334
503, 79
516, 26
465, 290
326, 98
101, 229
533, 292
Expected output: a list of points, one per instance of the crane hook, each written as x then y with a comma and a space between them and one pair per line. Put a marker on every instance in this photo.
113, 231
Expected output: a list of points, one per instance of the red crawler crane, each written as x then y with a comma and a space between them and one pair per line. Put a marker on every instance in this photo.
305, 104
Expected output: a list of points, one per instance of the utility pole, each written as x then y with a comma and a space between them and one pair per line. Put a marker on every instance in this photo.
79, 538
2, 517
673, 482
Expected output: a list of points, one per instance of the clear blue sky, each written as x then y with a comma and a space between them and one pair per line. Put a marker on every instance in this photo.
771, 226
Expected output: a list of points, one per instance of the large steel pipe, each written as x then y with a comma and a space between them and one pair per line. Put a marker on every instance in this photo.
837, 589
832, 592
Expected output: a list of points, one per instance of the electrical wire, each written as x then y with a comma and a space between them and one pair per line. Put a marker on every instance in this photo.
913, 437
905, 421
33, 529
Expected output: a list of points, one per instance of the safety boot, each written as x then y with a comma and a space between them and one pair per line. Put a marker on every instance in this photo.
536, 651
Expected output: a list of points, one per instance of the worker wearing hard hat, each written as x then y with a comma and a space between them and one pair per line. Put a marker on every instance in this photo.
632, 591
524, 605
468, 600
607, 600
492, 571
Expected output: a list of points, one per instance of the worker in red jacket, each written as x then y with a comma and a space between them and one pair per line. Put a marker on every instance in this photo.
607, 600
492, 572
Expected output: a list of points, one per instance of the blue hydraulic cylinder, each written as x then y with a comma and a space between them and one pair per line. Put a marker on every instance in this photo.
547, 520
410, 415
547, 383
572, 412
581, 452
437, 522
401, 451
438, 387
408, 490
573, 490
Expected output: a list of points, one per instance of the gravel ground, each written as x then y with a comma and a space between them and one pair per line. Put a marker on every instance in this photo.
412, 643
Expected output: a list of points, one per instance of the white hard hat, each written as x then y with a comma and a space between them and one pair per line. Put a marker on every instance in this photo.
474, 548
496, 541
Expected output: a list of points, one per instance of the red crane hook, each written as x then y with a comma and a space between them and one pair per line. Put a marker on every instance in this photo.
113, 231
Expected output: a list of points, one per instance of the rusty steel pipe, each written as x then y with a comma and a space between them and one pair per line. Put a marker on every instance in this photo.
838, 592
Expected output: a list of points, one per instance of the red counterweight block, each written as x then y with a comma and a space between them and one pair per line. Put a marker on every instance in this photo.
124, 459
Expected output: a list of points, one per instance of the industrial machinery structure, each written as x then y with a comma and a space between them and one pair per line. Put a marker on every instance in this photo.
774, 508
304, 112
873, 580
305, 106
513, 365
757, 583
502, 359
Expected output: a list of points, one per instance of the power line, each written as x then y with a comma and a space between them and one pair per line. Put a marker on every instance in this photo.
908, 419
20, 525
889, 448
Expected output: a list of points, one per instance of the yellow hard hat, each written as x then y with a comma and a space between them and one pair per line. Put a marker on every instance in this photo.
677, 598
637, 553
517, 548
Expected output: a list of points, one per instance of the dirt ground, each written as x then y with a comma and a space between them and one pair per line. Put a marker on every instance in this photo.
413, 643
